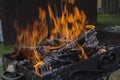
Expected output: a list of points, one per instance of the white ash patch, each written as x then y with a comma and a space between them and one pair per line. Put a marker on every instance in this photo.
113, 28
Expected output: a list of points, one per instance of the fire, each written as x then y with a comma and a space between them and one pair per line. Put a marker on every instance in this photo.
67, 27
62, 28
70, 1
32, 35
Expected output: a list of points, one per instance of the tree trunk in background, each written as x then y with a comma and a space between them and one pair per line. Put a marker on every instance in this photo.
103, 6
111, 6
1, 19
26, 11
7, 17
6, 25
107, 6
119, 7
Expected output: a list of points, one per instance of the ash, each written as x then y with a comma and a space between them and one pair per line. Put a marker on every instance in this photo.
113, 28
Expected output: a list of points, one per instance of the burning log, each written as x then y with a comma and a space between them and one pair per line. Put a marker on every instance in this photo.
71, 41
86, 40
88, 37
67, 44
62, 51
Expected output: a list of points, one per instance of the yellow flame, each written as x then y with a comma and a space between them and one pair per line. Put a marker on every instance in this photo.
37, 68
70, 1
62, 29
32, 35
66, 27
84, 55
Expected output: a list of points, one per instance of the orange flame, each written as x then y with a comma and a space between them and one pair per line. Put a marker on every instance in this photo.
69, 26
62, 28
70, 1
32, 36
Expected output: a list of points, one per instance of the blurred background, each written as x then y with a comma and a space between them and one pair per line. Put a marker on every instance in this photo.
101, 13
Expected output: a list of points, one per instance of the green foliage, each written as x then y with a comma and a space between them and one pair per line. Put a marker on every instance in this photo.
105, 20
5, 49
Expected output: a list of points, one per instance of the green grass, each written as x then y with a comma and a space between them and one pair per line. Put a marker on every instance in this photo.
0, 69
5, 49
105, 20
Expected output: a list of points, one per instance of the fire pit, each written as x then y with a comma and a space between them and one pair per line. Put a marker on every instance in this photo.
67, 65
72, 52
